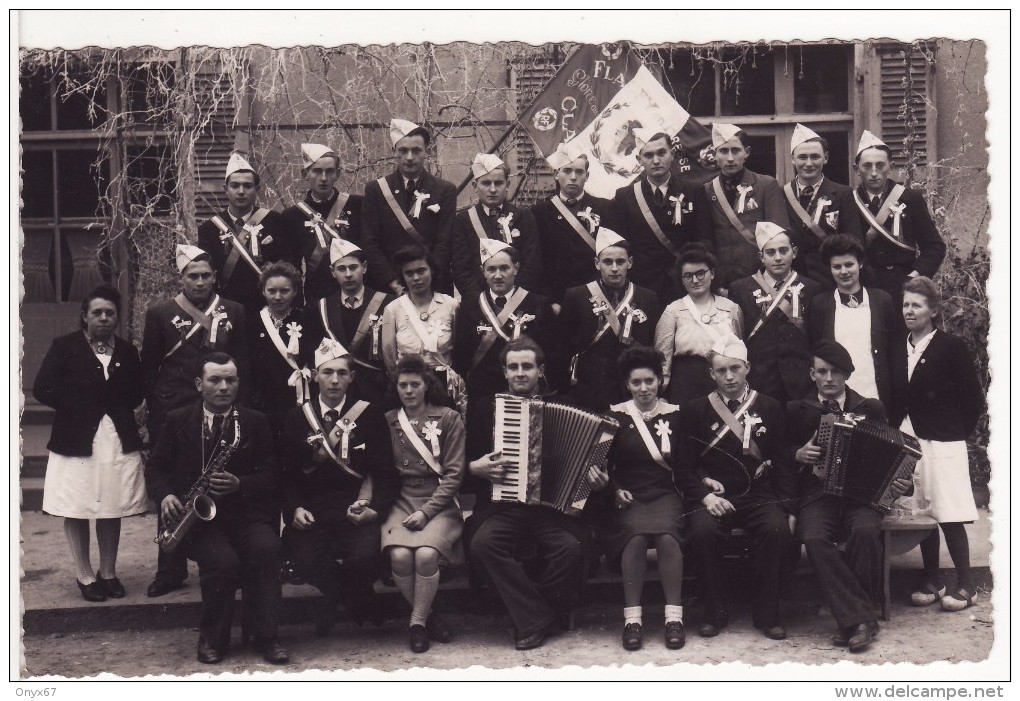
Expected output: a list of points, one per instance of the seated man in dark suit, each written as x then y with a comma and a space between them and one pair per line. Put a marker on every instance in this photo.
339, 484
849, 585
497, 532
241, 544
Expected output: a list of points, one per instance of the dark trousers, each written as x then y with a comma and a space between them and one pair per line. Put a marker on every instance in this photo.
173, 566
315, 552
229, 555
768, 526
510, 531
848, 583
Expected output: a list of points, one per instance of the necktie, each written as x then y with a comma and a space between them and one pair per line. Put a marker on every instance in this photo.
729, 186
500, 303
571, 203
409, 194
733, 405
805, 196
239, 223
351, 302
329, 419
779, 283
875, 204
831, 406
659, 198
217, 428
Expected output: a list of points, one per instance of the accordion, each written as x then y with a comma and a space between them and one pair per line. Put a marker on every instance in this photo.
552, 446
862, 458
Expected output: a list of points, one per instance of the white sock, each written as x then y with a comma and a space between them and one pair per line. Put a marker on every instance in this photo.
674, 613
77, 532
405, 583
631, 614
108, 536
425, 589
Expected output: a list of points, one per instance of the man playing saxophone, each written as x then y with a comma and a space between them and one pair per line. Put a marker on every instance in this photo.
240, 545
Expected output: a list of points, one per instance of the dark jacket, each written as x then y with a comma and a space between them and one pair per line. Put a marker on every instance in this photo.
382, 235
567, 260
71, 381
465, 259
270, 373
319, 280
803, 417
916, 228
838, 217
653, 262
326, 487
944, 398
176, 464
885, 321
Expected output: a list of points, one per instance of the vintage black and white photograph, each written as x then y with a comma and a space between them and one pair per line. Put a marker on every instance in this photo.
394, 355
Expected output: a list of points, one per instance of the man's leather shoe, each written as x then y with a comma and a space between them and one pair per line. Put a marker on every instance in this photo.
272, 652
776, 632
112, 587
862, 636
159, 587
714, 622
841, 638
92, 592
207, 654
438, 629
419, 638
632, 636
675, 638
529, 642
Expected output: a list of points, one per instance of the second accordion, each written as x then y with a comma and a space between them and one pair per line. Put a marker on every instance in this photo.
862, 458
552, 447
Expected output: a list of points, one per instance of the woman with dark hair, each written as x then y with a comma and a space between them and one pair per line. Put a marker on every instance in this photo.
422, 322
937, 398
423, 529
690, 326
644, 465
93, 379
279, 348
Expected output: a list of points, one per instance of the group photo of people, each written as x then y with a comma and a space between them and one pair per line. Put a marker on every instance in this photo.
385, 387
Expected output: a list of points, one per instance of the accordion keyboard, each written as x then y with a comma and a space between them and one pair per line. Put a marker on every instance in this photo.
511, 438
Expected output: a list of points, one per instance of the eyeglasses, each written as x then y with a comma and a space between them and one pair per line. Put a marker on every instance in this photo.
696, 276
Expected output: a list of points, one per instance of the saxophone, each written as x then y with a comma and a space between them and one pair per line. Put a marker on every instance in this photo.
198, 505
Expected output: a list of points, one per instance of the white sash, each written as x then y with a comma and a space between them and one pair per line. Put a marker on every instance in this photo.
328, 442
876, 222
646, 436
419, 445
574, 222
780, 295
299, 378
202, 320
429, 342
612, 316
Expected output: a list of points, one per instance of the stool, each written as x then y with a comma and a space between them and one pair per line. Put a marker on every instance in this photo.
900, 534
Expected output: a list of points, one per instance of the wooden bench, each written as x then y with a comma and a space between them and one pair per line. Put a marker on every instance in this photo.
900, 534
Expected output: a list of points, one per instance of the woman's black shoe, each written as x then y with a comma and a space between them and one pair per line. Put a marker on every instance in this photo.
419, 638
113, 588
675, 638
632, 636
92, 592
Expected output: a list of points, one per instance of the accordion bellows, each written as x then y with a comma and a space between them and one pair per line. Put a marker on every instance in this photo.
552, 447
862, 458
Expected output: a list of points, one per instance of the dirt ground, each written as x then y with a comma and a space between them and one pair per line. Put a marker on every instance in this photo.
913, 635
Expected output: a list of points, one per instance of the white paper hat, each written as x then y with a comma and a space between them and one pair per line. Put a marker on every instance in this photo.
765, 231
485, 163
399, 128
565, 153
869, 140
487, 248
721, 133
185, 254
310, 153
237, 163
340, 248
801, 134
328, 350
731, 347
606, 238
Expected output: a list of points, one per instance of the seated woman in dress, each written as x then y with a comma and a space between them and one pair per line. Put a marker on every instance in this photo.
690, 326
937, 397
423, 529
93, 378
422, 322
644, 461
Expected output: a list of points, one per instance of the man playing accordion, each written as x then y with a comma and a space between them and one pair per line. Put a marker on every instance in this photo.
848, 584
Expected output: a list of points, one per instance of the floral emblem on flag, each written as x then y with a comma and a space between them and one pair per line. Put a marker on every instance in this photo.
613, 143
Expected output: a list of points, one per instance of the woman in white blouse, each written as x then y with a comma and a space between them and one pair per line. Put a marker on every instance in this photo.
421, 322
690, 326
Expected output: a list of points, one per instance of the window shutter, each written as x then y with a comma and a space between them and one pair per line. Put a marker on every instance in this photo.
529, 81
907, 119
214, 144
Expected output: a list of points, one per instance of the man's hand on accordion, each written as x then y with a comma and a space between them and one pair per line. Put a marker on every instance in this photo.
491, 467
597, 478
717, 506
901, 485
171, 508
809, 453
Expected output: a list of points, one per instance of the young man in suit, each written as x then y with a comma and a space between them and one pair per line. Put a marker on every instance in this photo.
739, 199
600, 319
660, 215
540, 598
243, 237
567, 224
339, 482
323, 215
742, 477
242, 542
850, 582
861, 319
409, 205
178, 333
901, 240
493, 219
818, 207
775, 302
352, 316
